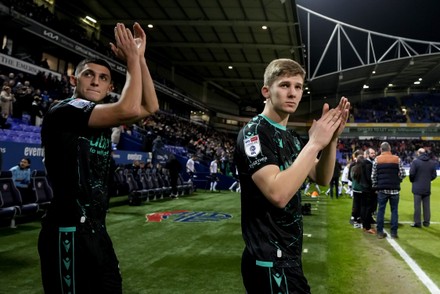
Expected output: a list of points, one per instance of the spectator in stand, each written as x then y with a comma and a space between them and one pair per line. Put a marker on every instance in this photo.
421, 173
24, 97
44, 63
77, 130
386, 177
6, 101
37, 111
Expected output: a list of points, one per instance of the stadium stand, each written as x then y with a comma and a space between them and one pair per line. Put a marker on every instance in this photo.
183, 136
423, 108
379, 110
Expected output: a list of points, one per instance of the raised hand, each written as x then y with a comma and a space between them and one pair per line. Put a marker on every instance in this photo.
344, 107
140, 39
323, 129
125, 46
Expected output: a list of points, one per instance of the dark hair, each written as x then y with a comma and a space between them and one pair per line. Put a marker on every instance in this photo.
27, 159
357, 153
98, 61
356, 170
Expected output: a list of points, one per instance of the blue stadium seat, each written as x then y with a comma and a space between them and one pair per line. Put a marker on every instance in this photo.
136, 192
41, 188
7, 210
11, 196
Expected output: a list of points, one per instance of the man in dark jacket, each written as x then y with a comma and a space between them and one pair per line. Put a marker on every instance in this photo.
370, 155
421, 173
386, 176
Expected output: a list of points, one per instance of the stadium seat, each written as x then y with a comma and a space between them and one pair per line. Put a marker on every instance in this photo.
156, 191
121, 182
161, 183
167, 182
7, 210
11, 196
41, 188
136, 193
187, 187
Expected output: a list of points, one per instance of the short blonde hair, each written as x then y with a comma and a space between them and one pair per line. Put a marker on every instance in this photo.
280, 68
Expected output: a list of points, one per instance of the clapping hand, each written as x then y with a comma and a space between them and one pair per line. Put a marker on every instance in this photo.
126, 46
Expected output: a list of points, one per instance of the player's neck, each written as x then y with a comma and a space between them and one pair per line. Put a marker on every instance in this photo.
280, 118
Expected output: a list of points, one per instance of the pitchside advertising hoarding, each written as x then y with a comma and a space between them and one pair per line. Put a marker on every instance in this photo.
13, 152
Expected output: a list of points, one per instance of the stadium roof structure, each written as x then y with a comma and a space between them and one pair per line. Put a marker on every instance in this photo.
348, 60
224, 45
220, 43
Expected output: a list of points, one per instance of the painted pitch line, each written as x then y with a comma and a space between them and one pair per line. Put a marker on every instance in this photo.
429, 284
406, 222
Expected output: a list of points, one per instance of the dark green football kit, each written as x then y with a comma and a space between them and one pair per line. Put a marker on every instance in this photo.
271, 261
76, 252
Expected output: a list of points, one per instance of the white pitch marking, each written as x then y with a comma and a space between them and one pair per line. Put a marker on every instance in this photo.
432, 287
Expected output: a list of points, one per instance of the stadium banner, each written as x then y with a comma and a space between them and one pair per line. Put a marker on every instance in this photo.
53, 36
127, 157
382, 131
24, 66
13, 152
392, 131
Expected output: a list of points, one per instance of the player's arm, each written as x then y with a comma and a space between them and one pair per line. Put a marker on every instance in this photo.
149, 102
280, 186
323, 171
128, 107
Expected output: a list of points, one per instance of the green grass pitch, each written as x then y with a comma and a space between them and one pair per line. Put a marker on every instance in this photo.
199, 250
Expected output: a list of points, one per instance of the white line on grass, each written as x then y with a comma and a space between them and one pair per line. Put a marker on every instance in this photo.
432, 287
405, 222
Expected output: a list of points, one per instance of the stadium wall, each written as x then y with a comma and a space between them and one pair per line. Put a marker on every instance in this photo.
12, 152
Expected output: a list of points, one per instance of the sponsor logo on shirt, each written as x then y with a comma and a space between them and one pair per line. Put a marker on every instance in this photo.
79, 103
252, 146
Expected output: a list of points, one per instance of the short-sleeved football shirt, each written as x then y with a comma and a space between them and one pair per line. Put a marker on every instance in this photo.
270, 233
77, 160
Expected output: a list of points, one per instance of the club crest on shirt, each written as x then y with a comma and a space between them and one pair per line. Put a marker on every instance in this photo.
252, 146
